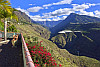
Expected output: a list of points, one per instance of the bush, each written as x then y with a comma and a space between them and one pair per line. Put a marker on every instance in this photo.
41, 57
12, 28
1, 26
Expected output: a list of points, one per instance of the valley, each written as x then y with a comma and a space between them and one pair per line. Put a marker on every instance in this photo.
64, 45
86, 40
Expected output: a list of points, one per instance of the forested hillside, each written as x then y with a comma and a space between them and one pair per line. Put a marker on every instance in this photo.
86, 41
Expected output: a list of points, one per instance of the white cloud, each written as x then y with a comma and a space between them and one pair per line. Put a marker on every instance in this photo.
62, 12
48, 19
31, 4
56, 19
86, 13
37, 18
81, 7
64, 17
84, 6
41, 18
34, 9
22, 10
59, 3
91, 4
46, 7
97, 13
59, 18
59, 12
63, 2
66, 11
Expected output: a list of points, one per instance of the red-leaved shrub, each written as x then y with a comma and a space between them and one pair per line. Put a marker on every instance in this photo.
41, 57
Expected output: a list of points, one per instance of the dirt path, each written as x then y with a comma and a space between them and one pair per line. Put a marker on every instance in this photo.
10, 56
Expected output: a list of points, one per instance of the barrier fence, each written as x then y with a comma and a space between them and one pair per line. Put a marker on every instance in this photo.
28, 62
9, 34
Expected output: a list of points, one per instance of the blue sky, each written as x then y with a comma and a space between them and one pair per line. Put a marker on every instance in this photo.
54, 10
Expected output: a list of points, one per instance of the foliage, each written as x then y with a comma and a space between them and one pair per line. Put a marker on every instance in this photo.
1, 26
87, 37
5, 9
41, 57
59, 40
12, 28
62, 39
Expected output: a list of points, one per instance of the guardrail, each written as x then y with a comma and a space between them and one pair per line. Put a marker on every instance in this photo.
28, 62
9, 34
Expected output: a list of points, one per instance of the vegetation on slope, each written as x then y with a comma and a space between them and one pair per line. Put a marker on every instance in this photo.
28, 31
1, 25
87, 42
62, 56
41, 57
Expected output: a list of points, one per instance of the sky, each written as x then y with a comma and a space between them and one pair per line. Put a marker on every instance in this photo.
55, 10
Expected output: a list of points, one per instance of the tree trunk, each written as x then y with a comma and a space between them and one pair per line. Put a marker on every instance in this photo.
5, 30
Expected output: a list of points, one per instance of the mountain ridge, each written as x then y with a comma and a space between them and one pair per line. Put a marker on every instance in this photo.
87, 41
74, 19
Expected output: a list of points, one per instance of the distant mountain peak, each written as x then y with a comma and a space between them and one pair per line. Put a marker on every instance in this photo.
73, 14
75, 19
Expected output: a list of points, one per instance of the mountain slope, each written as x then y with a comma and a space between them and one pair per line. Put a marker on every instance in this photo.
87, 41
74, 19
22, 17
61, 56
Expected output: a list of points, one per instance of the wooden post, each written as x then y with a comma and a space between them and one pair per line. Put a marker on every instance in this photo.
5, 30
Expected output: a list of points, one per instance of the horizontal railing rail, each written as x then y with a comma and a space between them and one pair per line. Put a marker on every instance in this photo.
28, 62
9, 34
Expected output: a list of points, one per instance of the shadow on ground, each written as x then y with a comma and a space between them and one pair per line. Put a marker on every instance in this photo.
11, 56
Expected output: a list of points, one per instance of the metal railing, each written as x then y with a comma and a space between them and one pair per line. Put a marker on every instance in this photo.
28, 62
9, 34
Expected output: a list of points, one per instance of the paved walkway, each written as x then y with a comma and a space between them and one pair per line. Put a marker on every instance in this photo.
10, 56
